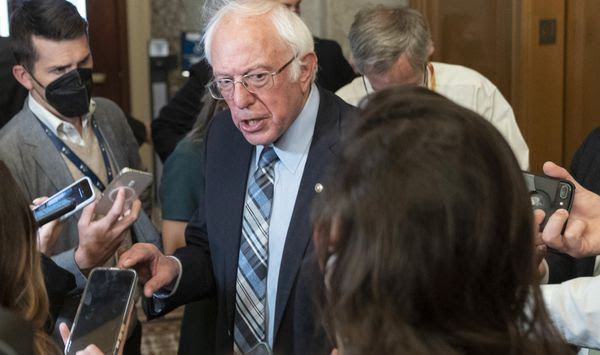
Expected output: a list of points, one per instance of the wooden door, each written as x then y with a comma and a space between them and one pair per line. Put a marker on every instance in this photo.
500, 39
582, 70
108, 39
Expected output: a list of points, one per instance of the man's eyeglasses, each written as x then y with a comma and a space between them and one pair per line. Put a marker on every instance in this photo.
223, 88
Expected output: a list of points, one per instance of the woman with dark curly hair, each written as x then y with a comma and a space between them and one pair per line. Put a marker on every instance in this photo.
426, 236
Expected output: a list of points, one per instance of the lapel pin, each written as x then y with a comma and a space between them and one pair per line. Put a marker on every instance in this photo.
318, 187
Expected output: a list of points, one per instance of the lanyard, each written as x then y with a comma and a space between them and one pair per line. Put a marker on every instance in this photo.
83, 167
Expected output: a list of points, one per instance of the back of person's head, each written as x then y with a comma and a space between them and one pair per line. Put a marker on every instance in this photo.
288, 27
22, 289
55, 20
430, 223
380, 35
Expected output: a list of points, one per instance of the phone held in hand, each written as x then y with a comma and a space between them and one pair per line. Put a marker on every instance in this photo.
105, 306
134, 182
549, 194
65, 202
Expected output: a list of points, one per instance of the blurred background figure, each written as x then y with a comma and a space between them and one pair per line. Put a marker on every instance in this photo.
392, 45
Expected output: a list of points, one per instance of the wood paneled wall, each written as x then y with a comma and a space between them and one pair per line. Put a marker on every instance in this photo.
538, 80
582, 73
553, 88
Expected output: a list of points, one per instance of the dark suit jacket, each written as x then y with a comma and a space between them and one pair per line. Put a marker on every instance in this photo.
12, 94
179, 115
334, 70
213, 235
585, 168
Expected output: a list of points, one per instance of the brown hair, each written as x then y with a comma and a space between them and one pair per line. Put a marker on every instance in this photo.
56, 20
430, 222
23, 290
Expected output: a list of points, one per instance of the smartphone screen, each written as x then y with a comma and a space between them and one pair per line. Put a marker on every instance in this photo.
103, 310
78, 195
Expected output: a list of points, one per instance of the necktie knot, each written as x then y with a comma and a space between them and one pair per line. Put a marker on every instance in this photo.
268, 157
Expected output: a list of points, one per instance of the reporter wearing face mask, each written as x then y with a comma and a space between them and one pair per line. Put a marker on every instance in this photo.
62, 134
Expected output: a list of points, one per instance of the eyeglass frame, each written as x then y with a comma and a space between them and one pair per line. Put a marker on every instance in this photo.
213, 84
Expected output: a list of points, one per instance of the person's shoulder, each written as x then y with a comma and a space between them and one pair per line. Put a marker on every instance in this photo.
352, 92
102, 103
107, 110
458, 75
19, 124
326, 42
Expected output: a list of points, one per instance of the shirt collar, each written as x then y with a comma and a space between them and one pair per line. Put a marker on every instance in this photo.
294, 143
54, 123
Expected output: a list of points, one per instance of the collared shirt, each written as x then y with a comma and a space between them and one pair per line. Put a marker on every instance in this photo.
292, 149
467, 88
62, 129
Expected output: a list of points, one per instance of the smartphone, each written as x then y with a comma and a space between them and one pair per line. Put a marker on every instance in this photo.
103, 311
65, 202
549, 194
134, 182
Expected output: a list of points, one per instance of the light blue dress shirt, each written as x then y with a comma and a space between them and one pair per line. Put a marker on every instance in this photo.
292, 149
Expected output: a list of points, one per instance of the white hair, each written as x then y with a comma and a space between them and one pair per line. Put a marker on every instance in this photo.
289, 27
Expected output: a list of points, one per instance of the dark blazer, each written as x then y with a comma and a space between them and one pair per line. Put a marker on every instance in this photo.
213, 235
334, 70
585, 168
12, 94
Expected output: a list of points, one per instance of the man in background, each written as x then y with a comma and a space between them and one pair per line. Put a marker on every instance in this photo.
391, 46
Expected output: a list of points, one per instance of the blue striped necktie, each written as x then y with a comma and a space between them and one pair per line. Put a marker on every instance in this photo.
251, 286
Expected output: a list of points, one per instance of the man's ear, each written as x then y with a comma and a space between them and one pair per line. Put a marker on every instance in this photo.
23, 76
308, 66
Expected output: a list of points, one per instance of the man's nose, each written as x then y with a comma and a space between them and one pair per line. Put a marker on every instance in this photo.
241, 96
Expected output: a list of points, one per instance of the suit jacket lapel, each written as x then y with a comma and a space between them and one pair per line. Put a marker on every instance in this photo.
112, 141
322, 153
233, 162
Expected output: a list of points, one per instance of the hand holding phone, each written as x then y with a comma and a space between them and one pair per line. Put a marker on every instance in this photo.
65, 202
134, 182
549, 194
105, 306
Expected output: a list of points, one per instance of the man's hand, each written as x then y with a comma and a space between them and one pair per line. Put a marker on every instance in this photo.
154, 269
582, 234
47, 235
99, 240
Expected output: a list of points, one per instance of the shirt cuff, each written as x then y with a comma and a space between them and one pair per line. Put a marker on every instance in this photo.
66, 260
168, 290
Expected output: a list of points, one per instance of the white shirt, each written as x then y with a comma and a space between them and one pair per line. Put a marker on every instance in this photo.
62, 129
467, 88
574, 307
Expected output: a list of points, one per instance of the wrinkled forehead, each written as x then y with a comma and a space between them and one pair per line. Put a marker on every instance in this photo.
243, 41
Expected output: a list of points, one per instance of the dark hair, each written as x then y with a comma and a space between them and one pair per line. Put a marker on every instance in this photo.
55, 20
22, 289
431, 225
